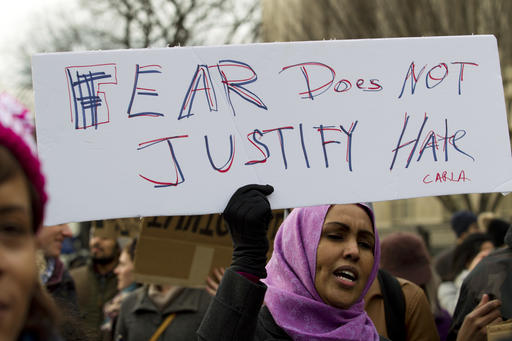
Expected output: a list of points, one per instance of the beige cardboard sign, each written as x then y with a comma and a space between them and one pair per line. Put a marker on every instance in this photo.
500, 332
184, 250
114, 228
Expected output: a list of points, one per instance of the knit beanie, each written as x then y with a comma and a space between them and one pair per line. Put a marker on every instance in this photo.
16, 131
461, 221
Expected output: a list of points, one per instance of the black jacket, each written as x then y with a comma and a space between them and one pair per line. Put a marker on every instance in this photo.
491, 276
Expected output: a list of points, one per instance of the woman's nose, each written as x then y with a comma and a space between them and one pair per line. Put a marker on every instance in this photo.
351, 249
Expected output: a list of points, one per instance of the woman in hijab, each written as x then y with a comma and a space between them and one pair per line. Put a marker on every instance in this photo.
27, 312
324, 261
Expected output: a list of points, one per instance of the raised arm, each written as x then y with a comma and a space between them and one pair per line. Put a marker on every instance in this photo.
233, 312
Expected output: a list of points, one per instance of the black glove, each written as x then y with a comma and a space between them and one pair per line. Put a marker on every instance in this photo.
248, 214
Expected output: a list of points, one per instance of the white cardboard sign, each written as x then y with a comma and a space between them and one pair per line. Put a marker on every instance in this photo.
176, 131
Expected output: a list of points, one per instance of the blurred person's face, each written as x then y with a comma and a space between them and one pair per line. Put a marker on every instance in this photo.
124, 271
103, 250
18, 274
50, 238
344, 257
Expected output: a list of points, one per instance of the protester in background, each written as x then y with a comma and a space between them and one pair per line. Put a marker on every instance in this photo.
59, 282
27, 311
125, 285
96, 282
404, 255
463, 223
467, 255
485, 296
55, 276
324, 261
497, 229
161, 312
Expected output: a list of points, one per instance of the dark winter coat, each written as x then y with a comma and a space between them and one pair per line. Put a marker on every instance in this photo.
93, 291
491, 276
139, 317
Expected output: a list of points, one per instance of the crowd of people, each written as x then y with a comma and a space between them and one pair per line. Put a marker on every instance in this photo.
329, 277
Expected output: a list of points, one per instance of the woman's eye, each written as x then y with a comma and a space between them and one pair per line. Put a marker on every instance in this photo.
12, 230
335, 236
365, 245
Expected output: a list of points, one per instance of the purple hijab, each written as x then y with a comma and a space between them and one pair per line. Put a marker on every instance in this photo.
291, 295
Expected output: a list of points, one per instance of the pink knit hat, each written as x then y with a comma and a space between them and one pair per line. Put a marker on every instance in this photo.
16, 131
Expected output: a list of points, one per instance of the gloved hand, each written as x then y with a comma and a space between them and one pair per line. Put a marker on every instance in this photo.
248, 214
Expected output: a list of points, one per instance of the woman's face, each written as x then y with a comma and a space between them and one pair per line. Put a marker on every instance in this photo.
344, 258
17, 256
124, 271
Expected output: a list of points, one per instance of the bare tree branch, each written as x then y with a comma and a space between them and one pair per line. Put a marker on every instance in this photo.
110, 24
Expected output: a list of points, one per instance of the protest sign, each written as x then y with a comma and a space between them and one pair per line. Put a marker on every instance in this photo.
184, 250
176, 131
115, 228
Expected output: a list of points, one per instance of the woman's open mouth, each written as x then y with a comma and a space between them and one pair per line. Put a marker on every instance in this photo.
347, 276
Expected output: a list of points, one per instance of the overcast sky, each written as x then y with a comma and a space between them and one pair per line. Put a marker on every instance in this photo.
15, 19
